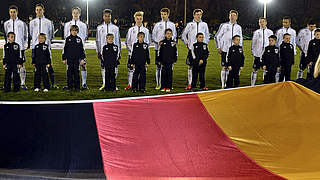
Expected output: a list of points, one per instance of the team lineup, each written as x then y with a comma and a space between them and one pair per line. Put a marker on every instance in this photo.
273, 53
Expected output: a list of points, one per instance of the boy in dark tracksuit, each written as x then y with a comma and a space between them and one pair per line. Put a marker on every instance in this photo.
200, 54
139, 60
12, 61
270, 60
167, 57
74, 56
41, 61
235, 62
313, 53
110, 61
286, 58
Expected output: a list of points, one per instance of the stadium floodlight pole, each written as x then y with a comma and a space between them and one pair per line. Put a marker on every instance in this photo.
185, 12
88, 12
265, 7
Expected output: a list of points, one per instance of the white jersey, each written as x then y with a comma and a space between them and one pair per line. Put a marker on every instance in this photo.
101, 35
158, 32
259, 41
83, 29
290, 31
41, 25
19, 28
192, 29
223, 37
132, 37
303, 39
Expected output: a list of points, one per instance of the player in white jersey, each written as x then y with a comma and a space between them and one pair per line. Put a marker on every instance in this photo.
102, 31
20, 29
133, 38
189, 38
259, 41
286, 22
158, 33
38, 25
83, 34
305, 35
223, 40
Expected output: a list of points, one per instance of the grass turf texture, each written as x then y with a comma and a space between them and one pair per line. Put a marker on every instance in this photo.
94, 80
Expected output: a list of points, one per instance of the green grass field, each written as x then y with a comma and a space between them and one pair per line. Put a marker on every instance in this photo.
95, 80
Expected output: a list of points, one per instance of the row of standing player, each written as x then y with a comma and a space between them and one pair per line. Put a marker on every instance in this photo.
223, 37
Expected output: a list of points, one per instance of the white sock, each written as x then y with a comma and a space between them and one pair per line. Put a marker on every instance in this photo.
23, 75
189, 76
158, 76
300, 74
253, 78
116, 71
103, 73
264, 74
277, 76
223, 78
130, 76
84, 77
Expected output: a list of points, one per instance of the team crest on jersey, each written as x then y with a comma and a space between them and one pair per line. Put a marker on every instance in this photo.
314, 44
204, 47
228, 28
44, 48
145, 46
291, 47
268, 51
240, 50
15, 47
78, 41
276, 51
107, 49
115, 48
160, 27
173, 44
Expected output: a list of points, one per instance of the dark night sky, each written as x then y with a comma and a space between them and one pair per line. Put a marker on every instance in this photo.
215, 10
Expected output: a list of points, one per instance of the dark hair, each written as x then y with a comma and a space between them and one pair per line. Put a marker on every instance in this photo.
13, 7
109, 35
287, 17
234, 11
11, 33
235, 36
273, 37
77, 8
311, 22
286, 34
40, 5
197, 10
316, 31
43, 35
199, 34
74, 27
166, 10
167, 30
141, 33
107, 11
263, 18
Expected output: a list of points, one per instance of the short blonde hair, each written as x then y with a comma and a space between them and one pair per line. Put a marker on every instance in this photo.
138, 13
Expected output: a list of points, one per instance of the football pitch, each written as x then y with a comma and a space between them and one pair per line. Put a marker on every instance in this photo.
94, 80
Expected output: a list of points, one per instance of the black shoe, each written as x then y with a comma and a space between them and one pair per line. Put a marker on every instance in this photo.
65, 88
70, 90
134, 90
24, 87
142, 91
84, 87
